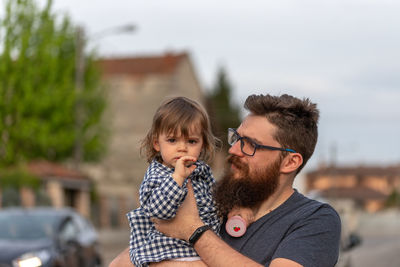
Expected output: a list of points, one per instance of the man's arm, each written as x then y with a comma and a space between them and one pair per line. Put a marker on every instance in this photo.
187, 221
226, 256
212, 250
122, 260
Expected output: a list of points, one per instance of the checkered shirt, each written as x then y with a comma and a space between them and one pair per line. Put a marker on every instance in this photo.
160, 197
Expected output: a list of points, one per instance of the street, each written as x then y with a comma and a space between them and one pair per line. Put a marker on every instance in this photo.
112, 243
381, 241
382, 251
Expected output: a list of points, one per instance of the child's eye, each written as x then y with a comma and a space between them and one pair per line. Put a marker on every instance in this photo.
192, 141
171, 140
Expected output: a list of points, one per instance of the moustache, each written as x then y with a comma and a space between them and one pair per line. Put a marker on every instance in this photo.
234, 160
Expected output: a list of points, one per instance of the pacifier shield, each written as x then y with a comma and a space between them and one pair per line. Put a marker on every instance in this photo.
236, 226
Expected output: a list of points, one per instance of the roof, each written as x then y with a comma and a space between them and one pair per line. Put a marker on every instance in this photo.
140, 66
49, 169
357, 170
357, 193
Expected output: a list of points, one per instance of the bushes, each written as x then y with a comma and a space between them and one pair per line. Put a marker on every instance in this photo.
12, 180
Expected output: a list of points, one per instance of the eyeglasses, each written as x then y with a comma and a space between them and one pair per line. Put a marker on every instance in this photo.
248, 146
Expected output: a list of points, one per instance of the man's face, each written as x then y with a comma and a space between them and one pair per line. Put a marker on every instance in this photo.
247, 189
261, 131
249, 180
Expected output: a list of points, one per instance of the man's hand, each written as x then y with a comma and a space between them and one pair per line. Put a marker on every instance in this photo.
186, 221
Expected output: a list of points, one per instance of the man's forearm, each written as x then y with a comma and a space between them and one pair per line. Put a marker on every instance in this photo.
172, 263
122, 260
211, 249
215, 252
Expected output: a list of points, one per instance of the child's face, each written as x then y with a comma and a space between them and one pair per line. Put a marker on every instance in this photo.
172, 147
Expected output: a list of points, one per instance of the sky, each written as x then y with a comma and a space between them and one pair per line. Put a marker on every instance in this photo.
342, 54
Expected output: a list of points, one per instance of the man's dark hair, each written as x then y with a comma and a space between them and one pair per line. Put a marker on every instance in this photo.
296, 121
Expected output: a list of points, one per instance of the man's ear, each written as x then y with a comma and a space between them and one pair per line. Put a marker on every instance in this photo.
291, 162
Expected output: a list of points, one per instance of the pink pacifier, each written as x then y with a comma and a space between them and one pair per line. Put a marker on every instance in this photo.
236, 226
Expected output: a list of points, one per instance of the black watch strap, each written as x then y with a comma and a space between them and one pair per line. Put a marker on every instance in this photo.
197, 233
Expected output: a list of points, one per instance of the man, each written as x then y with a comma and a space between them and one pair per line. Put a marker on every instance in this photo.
269, 148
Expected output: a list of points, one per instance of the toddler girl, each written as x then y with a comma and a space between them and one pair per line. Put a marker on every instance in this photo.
179, 139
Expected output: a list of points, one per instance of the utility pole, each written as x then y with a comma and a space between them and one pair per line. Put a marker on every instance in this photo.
79, 87
80, 81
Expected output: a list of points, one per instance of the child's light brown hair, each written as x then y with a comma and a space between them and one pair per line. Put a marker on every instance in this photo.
179, 115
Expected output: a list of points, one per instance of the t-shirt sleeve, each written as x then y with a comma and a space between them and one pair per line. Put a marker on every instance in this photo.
314, 241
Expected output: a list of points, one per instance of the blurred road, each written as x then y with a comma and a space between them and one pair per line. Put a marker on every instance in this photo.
112, 243
380, 246
381, 241
382, 251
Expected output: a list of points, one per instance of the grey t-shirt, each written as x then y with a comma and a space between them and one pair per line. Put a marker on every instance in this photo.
301, 229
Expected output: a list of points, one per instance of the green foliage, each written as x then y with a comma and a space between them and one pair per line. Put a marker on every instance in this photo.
38, 98
10, 197
13, 179
17, 178
223, 112
393, 199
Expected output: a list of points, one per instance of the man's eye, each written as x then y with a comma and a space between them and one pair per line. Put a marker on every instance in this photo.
249, 143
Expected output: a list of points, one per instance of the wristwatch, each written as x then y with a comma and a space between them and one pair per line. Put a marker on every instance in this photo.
197, 233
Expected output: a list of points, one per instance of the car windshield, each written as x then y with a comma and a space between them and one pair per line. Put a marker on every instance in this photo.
26, 226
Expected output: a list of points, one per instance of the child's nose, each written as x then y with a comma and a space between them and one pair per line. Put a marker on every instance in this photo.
182, 146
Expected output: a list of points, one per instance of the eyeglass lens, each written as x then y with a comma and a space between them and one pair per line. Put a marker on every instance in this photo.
247, 146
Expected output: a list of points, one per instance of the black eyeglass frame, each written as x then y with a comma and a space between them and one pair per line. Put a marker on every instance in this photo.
255, 145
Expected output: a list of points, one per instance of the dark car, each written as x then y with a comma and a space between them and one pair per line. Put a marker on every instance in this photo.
47, 237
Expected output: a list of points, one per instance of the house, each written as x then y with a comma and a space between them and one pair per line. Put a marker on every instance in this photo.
59, 185
367, 186
135, 88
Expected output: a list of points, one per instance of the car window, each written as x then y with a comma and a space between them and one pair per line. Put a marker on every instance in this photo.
19, 227
69, 231
84, 224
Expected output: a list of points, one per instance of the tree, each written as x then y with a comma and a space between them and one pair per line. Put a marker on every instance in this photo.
223, 112
38, 98
393, 200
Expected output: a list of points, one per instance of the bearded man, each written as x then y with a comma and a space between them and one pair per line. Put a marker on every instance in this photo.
270, 147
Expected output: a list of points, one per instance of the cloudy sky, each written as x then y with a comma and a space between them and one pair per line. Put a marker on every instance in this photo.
342, 54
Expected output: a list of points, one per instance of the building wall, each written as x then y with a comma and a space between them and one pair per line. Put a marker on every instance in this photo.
324, 182
376, 185
133, 101
379, 183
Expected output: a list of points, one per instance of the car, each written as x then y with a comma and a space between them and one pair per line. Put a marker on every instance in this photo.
47, 237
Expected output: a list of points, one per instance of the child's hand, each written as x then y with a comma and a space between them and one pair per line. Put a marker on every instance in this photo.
247, 214
239, 219
183, 168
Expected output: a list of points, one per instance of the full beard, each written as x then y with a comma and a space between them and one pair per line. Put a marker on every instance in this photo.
246, 190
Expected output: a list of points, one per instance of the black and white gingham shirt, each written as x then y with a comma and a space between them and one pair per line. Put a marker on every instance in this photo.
160, 197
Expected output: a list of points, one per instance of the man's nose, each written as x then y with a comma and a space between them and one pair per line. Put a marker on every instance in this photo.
235, 149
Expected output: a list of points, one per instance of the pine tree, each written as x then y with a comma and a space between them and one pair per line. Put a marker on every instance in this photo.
224, 113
